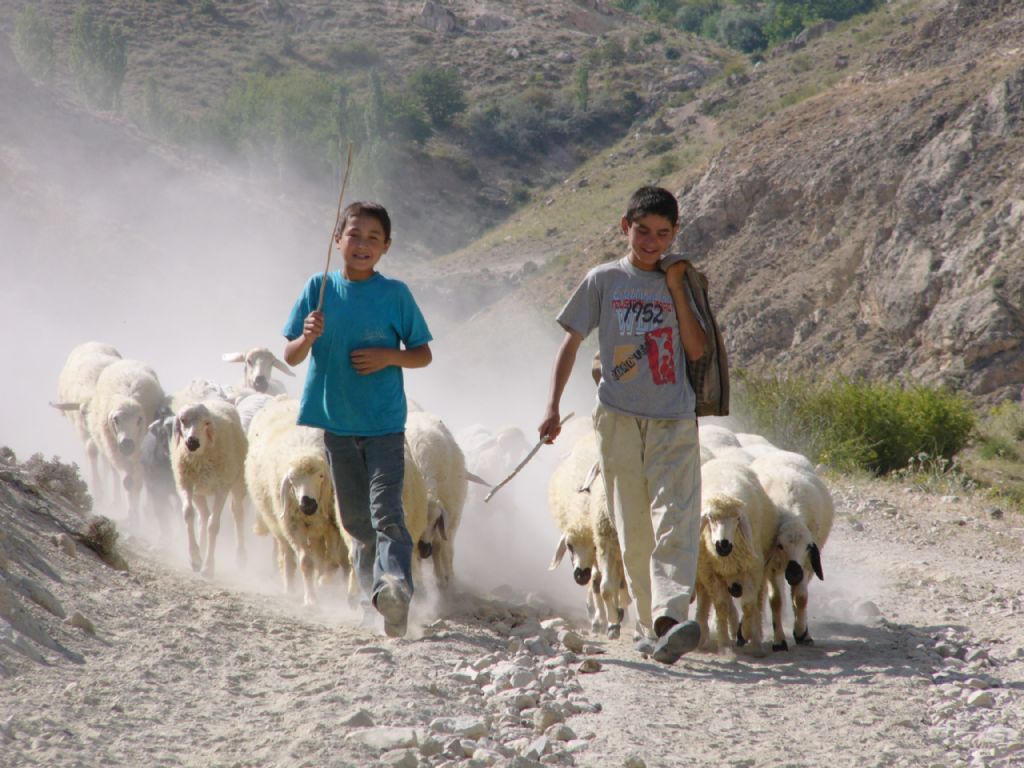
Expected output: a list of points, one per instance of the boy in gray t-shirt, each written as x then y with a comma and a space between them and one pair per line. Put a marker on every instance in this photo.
644, 418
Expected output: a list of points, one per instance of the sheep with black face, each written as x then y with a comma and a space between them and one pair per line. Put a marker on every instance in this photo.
806, 511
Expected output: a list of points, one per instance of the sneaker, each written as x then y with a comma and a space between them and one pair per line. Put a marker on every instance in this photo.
681, 638
392, 602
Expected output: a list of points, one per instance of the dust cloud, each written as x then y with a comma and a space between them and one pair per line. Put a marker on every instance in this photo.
175, 261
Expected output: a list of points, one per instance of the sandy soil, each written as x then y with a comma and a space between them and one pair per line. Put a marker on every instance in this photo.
918, 660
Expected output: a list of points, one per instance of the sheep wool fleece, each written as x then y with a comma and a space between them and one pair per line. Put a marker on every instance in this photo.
651, 470
377, 312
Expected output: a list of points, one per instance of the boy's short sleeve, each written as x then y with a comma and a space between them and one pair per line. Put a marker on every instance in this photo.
305, 304
414, 331
582, 312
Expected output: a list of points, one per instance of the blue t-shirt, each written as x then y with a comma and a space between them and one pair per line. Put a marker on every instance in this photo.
377, 312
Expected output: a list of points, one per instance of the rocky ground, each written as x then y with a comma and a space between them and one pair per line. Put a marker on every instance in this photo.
918, 661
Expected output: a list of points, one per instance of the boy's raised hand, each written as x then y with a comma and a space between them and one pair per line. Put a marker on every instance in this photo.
313, 325
675, 272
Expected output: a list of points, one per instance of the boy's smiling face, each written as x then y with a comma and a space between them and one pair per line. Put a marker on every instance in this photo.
649, 237
362, 243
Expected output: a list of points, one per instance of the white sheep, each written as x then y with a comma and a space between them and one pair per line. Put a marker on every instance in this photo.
578, 504
716, 438
806, 511
738, 524
249, 405
260, 363
289, 480
127, 399
75, 387
443, 468
208, 453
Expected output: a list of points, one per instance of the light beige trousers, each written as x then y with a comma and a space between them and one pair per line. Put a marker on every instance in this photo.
651, 470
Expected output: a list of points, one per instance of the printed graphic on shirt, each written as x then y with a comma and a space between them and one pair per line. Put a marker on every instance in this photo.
650, 315
639, 312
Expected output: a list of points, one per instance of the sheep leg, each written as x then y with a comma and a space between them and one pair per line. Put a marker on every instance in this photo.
800, 633
285, 562
238, 512
447, 565
703, 618
307, 566
93, 454
188, 512
595, 605
752, 604
609, 589
212, 525
133, 488
725, 616
775, 593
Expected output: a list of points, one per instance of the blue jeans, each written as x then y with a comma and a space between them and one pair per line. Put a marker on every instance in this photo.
368, 474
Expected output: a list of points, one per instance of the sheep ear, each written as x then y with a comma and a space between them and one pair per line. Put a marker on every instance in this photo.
746, 532
559, 553
286, 484
233, 357
67, 406
441, 524
815, 553
476, 479
177, 431
209, 433
286, 370
704, 523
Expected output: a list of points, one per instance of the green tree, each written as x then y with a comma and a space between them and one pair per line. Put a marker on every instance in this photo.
98, 58
33, 44
582, 87
440, 92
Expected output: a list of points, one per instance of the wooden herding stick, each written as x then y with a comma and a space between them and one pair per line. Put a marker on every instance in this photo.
522, 463
337, 218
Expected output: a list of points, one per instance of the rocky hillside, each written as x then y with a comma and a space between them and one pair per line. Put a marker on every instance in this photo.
875, 229
859, 207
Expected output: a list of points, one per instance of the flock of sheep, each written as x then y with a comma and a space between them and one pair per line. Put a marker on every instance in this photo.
207, 444
765, 518
765, 513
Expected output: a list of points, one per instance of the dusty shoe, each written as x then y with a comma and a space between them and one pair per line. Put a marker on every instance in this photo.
392, 602
681, 638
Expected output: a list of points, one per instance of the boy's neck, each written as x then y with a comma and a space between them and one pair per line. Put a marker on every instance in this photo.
633, 260
357, 277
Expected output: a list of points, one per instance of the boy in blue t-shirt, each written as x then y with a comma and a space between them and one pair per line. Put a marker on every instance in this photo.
369, 329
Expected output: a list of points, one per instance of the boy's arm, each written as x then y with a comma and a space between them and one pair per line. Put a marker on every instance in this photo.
296, 350
564, 361
373, 359
691, 334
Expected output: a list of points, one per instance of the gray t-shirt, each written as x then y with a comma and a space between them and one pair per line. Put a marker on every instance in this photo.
643, 368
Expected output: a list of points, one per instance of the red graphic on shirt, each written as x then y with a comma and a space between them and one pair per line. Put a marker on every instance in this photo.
660, 357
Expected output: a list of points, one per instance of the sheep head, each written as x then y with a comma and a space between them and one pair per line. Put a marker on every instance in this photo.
582, 553
726, 522
259, 365
127, 425
194, 426
307, 485
796, 551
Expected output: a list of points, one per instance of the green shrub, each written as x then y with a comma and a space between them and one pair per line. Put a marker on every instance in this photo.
1001, 432
854, 423
357, 53
98, 58
61, 479
667, 164
440, 93
33, 44
656, 145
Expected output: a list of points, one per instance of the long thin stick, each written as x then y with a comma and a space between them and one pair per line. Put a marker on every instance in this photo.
522, 463
337, 218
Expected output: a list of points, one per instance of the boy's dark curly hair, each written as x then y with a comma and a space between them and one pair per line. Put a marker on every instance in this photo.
652, 199
363, 208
